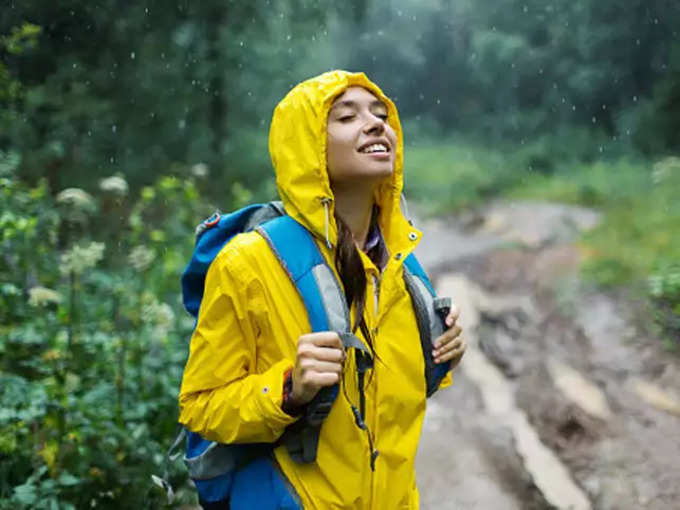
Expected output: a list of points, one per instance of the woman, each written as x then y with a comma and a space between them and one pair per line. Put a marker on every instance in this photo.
336, 146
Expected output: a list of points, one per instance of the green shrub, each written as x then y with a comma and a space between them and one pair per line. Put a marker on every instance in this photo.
93, 340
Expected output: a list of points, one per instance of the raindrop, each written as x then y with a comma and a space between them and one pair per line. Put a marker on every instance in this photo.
656, 21
601, 149
132, 55
240, 43
89, 133
564, 100
628, 132
287, 39
637, 41
525, 9
399, 13
421, 97
111, 160
604, 106
594, 120
75, 65
635, 99
438, 101
182, 124
114, 128
146, 10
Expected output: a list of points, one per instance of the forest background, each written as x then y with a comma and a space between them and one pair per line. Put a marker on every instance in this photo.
122, 125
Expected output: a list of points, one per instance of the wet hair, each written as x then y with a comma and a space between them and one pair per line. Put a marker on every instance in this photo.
351, 271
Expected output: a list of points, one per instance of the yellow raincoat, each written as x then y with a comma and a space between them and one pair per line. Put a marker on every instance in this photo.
251, 318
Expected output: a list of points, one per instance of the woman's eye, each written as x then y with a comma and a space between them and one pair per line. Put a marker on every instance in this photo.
382, 116
345, 118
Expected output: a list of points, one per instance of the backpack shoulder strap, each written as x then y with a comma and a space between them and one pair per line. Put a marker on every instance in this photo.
430, 314
315, 282
327, 310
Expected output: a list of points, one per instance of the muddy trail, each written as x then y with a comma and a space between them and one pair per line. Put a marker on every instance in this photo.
562, 400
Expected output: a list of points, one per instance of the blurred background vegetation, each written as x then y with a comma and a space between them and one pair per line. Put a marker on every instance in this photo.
123, 124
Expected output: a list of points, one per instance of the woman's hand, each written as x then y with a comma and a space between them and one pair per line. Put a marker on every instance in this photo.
450, 347
318, 364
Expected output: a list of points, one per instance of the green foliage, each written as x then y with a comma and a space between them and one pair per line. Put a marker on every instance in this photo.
449, 176
93, 340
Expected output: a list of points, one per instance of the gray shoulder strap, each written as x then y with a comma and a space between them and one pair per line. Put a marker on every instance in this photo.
430, 326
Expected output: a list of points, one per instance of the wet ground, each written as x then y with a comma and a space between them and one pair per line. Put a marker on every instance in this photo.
564, 399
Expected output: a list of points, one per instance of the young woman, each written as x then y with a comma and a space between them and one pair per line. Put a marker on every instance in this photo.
336, 145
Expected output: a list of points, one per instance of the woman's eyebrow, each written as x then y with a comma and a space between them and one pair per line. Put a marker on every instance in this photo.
353, 104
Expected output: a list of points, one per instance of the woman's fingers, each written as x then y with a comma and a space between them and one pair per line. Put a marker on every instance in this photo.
448, 346
451, 351
310, 365
452, 317
448, 336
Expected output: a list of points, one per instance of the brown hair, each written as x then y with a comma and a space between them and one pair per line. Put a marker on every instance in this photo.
351, 271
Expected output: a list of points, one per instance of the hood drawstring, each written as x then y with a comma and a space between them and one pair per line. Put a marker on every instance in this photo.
326, 201
402, 202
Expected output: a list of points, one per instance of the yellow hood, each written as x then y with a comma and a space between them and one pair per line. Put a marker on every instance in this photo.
297, 145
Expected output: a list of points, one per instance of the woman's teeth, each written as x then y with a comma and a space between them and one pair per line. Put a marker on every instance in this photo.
377, 147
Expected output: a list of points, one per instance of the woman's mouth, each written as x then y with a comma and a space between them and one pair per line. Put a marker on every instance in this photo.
376, 151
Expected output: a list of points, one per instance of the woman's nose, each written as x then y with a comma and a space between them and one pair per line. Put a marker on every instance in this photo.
375, 126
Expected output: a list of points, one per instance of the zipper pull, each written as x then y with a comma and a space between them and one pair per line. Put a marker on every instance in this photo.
374, 455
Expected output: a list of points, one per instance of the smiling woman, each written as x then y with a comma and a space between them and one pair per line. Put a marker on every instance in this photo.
259, 368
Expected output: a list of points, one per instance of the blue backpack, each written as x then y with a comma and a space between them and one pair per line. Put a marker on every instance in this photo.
245, 476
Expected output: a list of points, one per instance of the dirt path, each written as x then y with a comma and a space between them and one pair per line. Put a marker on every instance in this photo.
561, 401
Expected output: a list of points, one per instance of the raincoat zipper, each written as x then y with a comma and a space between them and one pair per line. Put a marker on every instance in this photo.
374, 331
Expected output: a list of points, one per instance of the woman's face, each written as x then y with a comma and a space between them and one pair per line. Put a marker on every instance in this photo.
361, 145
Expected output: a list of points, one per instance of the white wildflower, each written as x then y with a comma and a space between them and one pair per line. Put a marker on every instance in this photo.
76, 197
38, 296
199, 170
80, 258
165, 317
663, 169
141, 257
158, 315
114, 184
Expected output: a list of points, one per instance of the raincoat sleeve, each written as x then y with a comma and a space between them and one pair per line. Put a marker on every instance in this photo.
222, 397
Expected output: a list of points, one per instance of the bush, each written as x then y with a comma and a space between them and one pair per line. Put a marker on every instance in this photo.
93, 340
